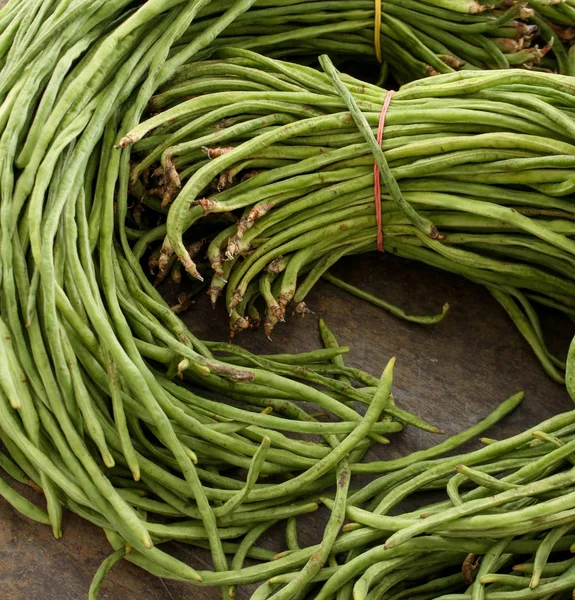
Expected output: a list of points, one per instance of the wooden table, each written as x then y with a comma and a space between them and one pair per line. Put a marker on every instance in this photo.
451, 374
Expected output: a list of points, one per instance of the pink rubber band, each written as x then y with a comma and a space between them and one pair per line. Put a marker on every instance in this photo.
376, 173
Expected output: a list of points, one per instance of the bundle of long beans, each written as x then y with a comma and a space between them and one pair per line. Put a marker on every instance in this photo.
486, 158
412, 38
94, 409
415, 38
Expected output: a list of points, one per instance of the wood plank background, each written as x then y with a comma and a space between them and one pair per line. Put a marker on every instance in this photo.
451, 374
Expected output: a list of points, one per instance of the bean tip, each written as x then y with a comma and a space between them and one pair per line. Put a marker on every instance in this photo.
127, 140
434, 233
487, 441
109, 461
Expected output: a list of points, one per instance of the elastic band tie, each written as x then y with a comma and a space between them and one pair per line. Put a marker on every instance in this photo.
377, 31
376, 173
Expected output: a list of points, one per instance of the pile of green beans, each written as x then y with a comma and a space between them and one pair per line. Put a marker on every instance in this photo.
113, 408
479, 182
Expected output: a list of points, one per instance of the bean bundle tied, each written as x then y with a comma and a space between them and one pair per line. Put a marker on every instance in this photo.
479, 181
413, 39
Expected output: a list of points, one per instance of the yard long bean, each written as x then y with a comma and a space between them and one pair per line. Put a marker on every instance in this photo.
115, 410
298, 217
416, 39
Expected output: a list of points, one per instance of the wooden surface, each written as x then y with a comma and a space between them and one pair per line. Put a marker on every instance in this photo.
451, 374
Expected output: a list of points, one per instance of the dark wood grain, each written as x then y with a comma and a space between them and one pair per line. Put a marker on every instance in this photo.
451, 374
